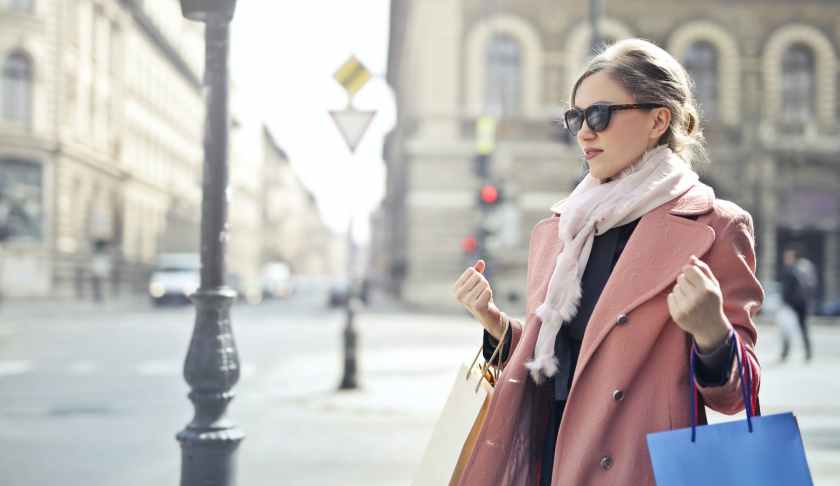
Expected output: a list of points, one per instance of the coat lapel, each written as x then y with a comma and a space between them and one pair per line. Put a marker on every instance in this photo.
657, 250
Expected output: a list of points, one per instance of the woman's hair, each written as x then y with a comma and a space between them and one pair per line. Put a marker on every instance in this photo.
652, 75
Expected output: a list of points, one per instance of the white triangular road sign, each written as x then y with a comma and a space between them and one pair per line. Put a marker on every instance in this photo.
352, 124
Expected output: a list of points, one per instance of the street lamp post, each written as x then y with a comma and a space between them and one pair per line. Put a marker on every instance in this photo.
594, 19
211, 368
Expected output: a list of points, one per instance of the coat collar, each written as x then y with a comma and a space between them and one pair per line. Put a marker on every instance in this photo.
700, 199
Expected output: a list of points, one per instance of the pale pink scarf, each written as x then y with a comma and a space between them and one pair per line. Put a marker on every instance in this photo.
592, 209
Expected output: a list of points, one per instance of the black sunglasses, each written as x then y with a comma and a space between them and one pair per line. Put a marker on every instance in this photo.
598, 116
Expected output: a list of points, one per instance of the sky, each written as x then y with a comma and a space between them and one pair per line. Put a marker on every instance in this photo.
283, 57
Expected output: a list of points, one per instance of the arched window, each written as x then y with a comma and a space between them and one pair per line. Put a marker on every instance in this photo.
503, 89
21, 205
16, 89
702, 62
798, 85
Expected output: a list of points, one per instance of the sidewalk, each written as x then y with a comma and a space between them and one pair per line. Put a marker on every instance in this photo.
403, 390
47, 307
410, 379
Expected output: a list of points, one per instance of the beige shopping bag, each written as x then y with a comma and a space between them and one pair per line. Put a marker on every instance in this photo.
459, 424
472, 437
454, 426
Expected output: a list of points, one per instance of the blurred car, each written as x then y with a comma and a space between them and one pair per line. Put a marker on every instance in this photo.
277, 280
829, 308
338, 293
174, 277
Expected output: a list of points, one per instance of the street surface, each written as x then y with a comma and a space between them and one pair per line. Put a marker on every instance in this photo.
93, 395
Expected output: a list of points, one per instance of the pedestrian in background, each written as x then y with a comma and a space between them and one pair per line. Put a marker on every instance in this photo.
797, 288
807, 271
100, 269
637, 269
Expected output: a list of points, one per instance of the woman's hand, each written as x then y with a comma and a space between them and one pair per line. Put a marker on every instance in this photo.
473, 291
696, 305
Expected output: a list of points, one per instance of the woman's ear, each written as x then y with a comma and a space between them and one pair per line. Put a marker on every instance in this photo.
661, 122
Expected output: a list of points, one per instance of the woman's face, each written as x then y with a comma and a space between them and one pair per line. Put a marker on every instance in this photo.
629, 134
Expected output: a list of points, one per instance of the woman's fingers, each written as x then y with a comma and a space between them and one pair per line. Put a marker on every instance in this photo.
472, 289
464, 277
484, 299
472, 296
682, 292
684, 280
477, 268
704, 267
696, 278
467, 284
673, 305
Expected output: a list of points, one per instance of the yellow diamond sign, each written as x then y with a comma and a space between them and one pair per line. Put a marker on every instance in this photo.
352, 75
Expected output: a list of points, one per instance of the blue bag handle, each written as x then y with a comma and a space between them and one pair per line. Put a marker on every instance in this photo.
746, 386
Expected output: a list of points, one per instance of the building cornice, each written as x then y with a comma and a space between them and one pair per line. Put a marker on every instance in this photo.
161, 42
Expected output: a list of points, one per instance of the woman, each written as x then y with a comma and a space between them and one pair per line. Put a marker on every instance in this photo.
638, 268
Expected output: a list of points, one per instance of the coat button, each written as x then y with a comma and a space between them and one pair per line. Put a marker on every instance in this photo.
606, 462
618, 395
622, 319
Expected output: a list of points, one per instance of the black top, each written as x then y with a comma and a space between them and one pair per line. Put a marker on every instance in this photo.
712, 369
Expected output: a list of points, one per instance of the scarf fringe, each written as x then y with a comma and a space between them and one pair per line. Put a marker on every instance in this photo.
542, 367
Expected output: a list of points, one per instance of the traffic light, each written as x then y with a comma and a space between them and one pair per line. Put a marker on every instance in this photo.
469, 244
485, 135
481, 165
485, 145
489, 196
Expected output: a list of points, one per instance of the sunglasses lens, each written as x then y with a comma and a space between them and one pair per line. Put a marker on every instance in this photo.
598, 117
574, 120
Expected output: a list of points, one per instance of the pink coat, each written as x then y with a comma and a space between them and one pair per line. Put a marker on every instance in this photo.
632, 373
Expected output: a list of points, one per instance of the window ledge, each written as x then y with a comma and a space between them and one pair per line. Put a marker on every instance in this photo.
22, 20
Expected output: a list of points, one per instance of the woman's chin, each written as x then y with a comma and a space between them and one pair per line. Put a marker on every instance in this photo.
602, 175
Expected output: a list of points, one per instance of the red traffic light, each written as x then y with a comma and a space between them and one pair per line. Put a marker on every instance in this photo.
469, 244
489, 194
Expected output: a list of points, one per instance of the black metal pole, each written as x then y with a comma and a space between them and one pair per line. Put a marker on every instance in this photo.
210, 440
594, 16
349, 374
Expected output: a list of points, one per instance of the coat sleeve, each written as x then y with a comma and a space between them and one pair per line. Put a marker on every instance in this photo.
510, 339
732, 260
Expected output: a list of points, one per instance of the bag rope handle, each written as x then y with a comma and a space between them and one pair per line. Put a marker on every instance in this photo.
746, 385
498, 368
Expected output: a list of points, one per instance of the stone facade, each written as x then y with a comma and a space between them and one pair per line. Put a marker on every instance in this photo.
101, 147
783, 169
112, 133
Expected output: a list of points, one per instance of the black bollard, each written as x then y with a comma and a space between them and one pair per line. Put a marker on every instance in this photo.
349, 379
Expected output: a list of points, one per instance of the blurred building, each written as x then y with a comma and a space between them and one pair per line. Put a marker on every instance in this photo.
100, 138
293, 229
101, 118
766, 79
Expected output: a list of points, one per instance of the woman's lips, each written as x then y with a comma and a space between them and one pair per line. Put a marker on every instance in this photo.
591, 154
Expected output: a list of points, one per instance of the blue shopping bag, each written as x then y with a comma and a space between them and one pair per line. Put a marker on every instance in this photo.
759, 451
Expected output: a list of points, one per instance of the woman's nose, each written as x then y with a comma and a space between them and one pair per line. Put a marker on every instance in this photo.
585, 133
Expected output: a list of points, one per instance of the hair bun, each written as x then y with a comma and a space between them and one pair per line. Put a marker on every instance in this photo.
691, 126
